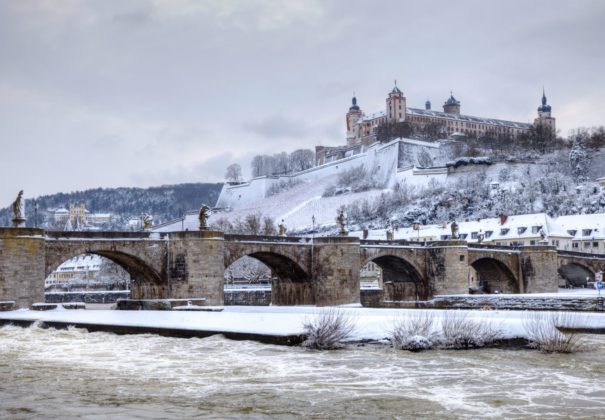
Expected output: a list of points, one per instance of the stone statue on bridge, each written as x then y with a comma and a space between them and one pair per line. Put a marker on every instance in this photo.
282, 228
454, 228
147, 220
341, 219
17, 207
203, 217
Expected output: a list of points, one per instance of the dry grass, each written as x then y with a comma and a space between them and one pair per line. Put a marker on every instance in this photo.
460, 331
329, 330
414, 332
543, 332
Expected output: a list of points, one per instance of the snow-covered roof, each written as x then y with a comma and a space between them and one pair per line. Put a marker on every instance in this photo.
61, 211
453, 117
88, 262
468, 118
526, 226
100, 215
584, 226
373, 116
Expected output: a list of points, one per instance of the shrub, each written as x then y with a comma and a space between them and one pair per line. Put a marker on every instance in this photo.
329, 330
283, 185
415, 332
459, 331
543, 332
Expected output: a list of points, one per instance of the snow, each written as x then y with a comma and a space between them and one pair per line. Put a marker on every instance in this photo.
370, 324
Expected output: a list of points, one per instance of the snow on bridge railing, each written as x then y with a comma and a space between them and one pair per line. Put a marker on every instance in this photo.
513, 247
54, 234
406, 242
272, 239
575, 254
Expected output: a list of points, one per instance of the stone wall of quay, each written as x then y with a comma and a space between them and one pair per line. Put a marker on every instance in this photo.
242, 297
86, 297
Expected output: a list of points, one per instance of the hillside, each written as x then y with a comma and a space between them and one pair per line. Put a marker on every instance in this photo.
164, 203
461, 189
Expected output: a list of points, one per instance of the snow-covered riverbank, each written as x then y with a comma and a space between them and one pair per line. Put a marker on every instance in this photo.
370, 324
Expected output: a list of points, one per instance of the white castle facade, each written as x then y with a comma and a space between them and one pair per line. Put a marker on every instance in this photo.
361, 127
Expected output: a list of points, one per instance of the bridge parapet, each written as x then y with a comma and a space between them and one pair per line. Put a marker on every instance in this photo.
574, 254
100, 235
272, 239
523, 248
408, 243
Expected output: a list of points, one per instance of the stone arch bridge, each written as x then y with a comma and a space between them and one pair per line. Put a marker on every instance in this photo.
320, 271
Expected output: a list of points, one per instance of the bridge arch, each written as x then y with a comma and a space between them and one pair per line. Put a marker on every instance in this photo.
135, 266
402, 280
494, 276
576, 274
146, 271
291, 283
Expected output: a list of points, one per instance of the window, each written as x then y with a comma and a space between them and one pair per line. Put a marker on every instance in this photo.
488, 233
463, 236
575, 245
595, 244
532, 243
586, 232
445, 237
504, 231
521, 229
572, 232
535, 229
474, 235
586, 244
462, 258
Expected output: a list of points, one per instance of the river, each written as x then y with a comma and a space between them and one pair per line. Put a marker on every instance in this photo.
73, 373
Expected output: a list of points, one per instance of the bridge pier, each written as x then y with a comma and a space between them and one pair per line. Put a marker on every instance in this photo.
538, 269
22, 264
196, 266
335, 268
447, 269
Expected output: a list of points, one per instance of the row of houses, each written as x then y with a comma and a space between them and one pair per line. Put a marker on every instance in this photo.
581, 233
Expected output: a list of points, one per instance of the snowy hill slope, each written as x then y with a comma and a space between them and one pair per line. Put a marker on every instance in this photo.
299, 204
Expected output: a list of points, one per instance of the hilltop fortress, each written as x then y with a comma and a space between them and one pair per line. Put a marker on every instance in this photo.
450, 124
361, 128
411, 161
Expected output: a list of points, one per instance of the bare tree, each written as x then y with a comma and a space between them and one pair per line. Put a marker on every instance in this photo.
281, 164
262, 165
233, 173
301, 159
252, 224
269, 226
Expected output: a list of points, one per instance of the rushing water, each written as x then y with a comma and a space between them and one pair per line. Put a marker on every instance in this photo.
72, 373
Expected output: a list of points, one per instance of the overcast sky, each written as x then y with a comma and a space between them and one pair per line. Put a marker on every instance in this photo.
138, 93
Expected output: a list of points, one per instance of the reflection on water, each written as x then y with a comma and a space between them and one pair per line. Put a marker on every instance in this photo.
57, 374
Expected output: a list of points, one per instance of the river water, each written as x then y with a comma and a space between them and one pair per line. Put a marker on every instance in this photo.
73, 373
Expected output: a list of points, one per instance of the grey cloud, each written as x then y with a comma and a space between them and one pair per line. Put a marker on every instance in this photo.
161, 85
277, 126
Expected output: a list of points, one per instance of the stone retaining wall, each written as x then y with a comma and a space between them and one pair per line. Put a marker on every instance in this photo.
100, 297
248, 297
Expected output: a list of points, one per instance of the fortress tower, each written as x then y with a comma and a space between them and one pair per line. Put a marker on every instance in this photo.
451, 106
353, 117
545, 118
396, 105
